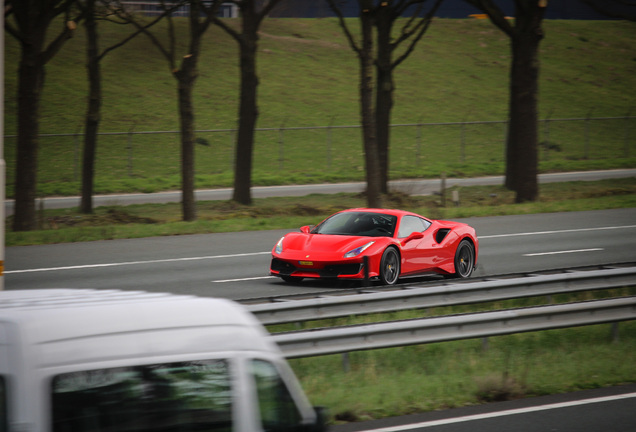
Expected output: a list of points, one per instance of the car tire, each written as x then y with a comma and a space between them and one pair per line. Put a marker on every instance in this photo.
390, 266
464, 259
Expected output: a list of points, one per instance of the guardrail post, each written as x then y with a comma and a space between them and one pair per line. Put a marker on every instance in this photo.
485, 343
346, 364
614, 332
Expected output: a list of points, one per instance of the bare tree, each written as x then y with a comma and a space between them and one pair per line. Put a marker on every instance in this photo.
525, 33
386, 13
94, 11
28, 21
376, 119
252, 14
364, 51
200, 17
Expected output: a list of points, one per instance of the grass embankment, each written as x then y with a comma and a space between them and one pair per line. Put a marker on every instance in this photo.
308, 75
148, 220
407, 380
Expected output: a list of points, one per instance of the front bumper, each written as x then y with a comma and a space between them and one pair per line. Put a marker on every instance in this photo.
352, 270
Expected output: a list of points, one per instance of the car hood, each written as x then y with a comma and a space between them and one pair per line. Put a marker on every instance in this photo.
323, 245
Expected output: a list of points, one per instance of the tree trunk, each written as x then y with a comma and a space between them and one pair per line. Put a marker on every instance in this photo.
31, 79
92, 112
374, 199
522, 152
384, 94
248, 114
186, 77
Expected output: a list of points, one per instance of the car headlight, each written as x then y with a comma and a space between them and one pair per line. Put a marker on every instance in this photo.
279, 246
357, 251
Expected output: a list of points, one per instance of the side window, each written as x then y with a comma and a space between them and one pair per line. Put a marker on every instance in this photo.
411, 224
277, 407
194, 395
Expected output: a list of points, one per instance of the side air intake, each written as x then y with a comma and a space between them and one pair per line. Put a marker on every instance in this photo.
441, 234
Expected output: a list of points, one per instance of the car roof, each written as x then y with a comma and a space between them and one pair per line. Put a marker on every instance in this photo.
85, 325
393, 212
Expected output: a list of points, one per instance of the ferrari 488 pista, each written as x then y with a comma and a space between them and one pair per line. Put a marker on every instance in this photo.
376, 244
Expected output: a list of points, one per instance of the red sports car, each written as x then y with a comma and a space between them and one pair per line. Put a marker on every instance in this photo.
376, 244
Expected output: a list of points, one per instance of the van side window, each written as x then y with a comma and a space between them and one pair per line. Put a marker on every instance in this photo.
193, 395
277, 408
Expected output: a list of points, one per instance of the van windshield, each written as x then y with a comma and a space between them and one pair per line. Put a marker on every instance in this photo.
184, 396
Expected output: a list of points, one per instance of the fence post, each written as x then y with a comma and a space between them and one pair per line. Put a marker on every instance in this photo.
442, 191
462, 151
587, 133
418, 143
506, 126
627, 118
281, 142
329, 143
547, 136
130, 151
77, 157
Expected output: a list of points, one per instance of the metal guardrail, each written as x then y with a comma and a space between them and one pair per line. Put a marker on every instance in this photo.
445, 295
448, 328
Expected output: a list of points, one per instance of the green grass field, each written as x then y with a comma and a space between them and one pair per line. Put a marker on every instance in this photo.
308, 75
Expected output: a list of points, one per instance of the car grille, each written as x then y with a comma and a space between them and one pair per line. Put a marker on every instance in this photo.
333, 270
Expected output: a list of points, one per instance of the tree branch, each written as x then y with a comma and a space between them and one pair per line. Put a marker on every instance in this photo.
425, 23
343, 24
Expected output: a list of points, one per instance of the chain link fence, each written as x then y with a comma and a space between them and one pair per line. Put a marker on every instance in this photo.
300, 153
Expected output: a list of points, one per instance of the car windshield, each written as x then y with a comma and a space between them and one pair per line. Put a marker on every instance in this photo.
366, 224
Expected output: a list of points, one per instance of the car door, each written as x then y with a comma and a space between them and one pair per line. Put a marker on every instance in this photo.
418, 251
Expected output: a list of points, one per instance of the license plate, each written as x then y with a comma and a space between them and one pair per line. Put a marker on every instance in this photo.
306, 263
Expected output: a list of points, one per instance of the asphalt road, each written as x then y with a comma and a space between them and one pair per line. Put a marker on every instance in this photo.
235, 265
413, 187
599, 410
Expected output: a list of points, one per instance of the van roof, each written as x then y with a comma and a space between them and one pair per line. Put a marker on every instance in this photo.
57, 327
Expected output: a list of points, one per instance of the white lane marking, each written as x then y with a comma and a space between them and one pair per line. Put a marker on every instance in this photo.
243, 279
503, 413
555, 232
87, 266
137, 262
563, 252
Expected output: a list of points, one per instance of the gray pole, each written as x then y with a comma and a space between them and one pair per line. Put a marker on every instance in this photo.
2, 162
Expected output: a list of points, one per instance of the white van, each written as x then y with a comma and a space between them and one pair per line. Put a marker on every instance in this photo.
108, 360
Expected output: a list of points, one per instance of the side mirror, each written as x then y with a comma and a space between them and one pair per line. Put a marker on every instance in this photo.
305, 229
413, 236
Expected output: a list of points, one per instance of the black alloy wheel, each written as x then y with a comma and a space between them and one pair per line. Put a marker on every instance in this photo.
390, 266
464, 259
